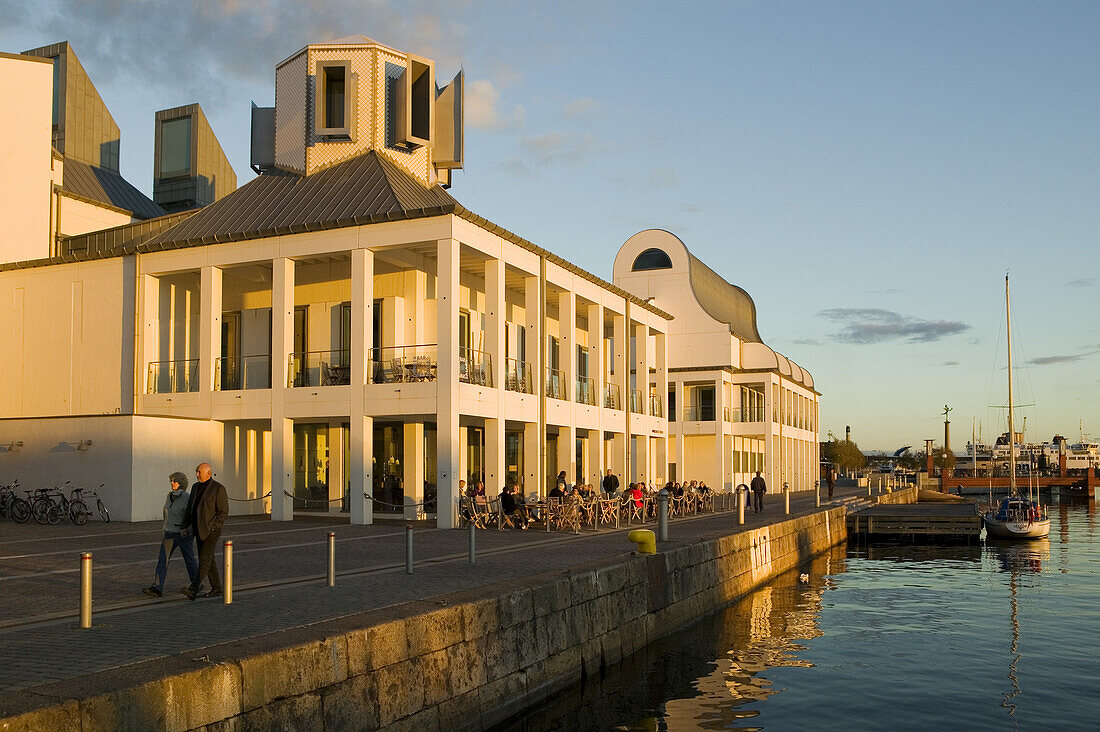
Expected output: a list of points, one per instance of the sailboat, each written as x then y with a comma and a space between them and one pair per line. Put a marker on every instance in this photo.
1017, 517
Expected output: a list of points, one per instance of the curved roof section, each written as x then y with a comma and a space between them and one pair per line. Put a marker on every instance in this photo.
723, 301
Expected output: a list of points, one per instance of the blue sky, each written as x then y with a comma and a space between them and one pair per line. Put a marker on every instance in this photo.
867, 171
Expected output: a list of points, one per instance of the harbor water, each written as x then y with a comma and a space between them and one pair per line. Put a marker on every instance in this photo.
991, 636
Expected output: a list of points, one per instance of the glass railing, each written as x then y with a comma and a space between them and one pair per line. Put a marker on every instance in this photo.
319, 368
242, 372
517, 376
475, 367
612, 398
586, 391
656, 406
173, 377
400, 364
699, 413
636, 401
739, 414
555, 384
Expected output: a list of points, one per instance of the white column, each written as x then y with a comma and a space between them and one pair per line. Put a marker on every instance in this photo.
720, 453
361, 431
150, 329
447, 457
413, 470
210, 332
416, 293
496, 319
595, 352
681, 461
660, 359
534, 434
567, 339
533, 484
282, 429
641, 364
621, 377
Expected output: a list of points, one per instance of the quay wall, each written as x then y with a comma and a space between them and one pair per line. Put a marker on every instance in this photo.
463, 661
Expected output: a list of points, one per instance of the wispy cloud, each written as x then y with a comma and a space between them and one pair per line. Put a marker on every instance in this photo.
1068, 358
516, 167
481, 110
568, 148
1082, 282
583, 108
951, 363
888, 291
806, 342
864, 326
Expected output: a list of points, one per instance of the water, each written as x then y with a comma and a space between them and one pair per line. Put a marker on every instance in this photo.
986, 637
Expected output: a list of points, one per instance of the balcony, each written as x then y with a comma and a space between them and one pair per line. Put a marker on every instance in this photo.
319, 368
173, 377
656, 406
242, 372
636, 401
699, 413
586, 392
475, 367
517, 376
404, 364
555, 384
612, 399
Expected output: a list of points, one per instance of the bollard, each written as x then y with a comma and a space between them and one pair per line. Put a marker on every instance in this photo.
868, 486
786, 499
662, 515
473, 555
817, 493
644, 541
227, 588
408, 549
331, 559
86, 590
880, 484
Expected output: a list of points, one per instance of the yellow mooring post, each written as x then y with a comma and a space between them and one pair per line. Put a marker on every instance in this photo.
644, 539
86, 590
227, 580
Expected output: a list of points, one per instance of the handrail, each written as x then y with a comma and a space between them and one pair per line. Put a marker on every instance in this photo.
517, 376
400, 364
555, 383
173, 377
612, 398
475, 367
232, 373
656, 406
636, 401
319, 368
586, 391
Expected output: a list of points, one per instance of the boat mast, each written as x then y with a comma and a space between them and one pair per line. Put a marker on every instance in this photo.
1011, 425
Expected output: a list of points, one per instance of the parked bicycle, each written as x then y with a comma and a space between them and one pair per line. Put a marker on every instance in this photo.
12, 505
52, 506
78, 494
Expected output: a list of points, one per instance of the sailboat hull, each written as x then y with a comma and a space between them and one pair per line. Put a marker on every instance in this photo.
1016, 529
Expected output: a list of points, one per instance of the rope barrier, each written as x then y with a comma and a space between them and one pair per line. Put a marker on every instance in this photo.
312, 500
425, 504
246, 500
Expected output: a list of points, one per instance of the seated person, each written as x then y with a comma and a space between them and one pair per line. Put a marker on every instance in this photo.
635, 494
513, 507
677, 490
703, 487
479, 490
559, 490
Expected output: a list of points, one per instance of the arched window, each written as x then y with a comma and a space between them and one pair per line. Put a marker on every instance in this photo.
651, 259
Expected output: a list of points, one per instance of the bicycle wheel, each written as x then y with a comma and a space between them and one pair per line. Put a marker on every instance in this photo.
79, 513
53, 514
103, 511
40, 508
20, 510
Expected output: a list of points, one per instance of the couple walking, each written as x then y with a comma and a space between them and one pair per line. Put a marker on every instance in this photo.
197, 515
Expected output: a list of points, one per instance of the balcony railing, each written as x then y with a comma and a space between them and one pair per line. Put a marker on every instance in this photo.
517, 376
475, 367
319, 368
586, 391
173, 377
612, 399
400, 364
636, 403
656, 406
242, 372
555, 384
748, 415
699, 413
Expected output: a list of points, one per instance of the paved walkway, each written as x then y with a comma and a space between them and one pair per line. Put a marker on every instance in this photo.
279, 584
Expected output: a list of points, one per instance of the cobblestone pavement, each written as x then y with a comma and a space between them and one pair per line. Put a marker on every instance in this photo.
278, 578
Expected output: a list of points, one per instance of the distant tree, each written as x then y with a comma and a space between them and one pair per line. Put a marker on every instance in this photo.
938, 455
845, 454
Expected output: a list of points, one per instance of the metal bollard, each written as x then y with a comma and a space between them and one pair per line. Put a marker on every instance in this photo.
227, 588
332, 559
662, 515
868, 486
408, 549
473, 550
86, 590
786, 499
741, 507
817, 493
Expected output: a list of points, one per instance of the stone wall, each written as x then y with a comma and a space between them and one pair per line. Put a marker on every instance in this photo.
900, 495
463, 661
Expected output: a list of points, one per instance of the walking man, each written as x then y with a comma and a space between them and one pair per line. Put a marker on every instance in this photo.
829, 480
175, 522
207, 510
610, 483
759, 488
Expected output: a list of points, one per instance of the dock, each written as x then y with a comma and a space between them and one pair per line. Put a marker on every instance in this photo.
916, 520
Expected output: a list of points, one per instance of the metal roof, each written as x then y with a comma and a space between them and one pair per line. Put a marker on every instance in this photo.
100, 185
723, 301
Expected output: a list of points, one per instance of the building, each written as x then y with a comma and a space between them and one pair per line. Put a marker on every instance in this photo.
735, 406
338, 334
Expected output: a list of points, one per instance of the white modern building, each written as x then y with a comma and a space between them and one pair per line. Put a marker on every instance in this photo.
735, 406
341, 335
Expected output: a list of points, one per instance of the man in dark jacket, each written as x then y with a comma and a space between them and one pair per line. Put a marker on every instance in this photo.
610, 483
759, 488
207, 510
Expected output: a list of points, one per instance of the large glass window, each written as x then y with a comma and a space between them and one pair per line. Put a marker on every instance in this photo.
388, 479
334, 97
175, 147
311, 467
513, 458
651, 259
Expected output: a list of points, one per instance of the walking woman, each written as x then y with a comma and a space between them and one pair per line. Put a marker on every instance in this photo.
175, 521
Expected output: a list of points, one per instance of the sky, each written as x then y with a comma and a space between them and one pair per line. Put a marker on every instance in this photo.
867, 171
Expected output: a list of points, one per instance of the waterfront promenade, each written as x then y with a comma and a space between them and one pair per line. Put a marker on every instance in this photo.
279, 584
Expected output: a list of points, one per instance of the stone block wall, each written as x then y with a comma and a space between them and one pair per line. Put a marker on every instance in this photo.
464, 661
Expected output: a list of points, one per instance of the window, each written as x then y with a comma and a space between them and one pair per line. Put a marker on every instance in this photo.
651, 259
335, 86
175, 147
56, 91
415, 95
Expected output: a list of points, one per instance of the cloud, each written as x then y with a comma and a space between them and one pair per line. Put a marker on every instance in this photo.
888, 291
1051, 360
874, 325
1082, 282
951, 363
481, 110
806, 342
516, 167
583, 108
561, 147
661, 178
